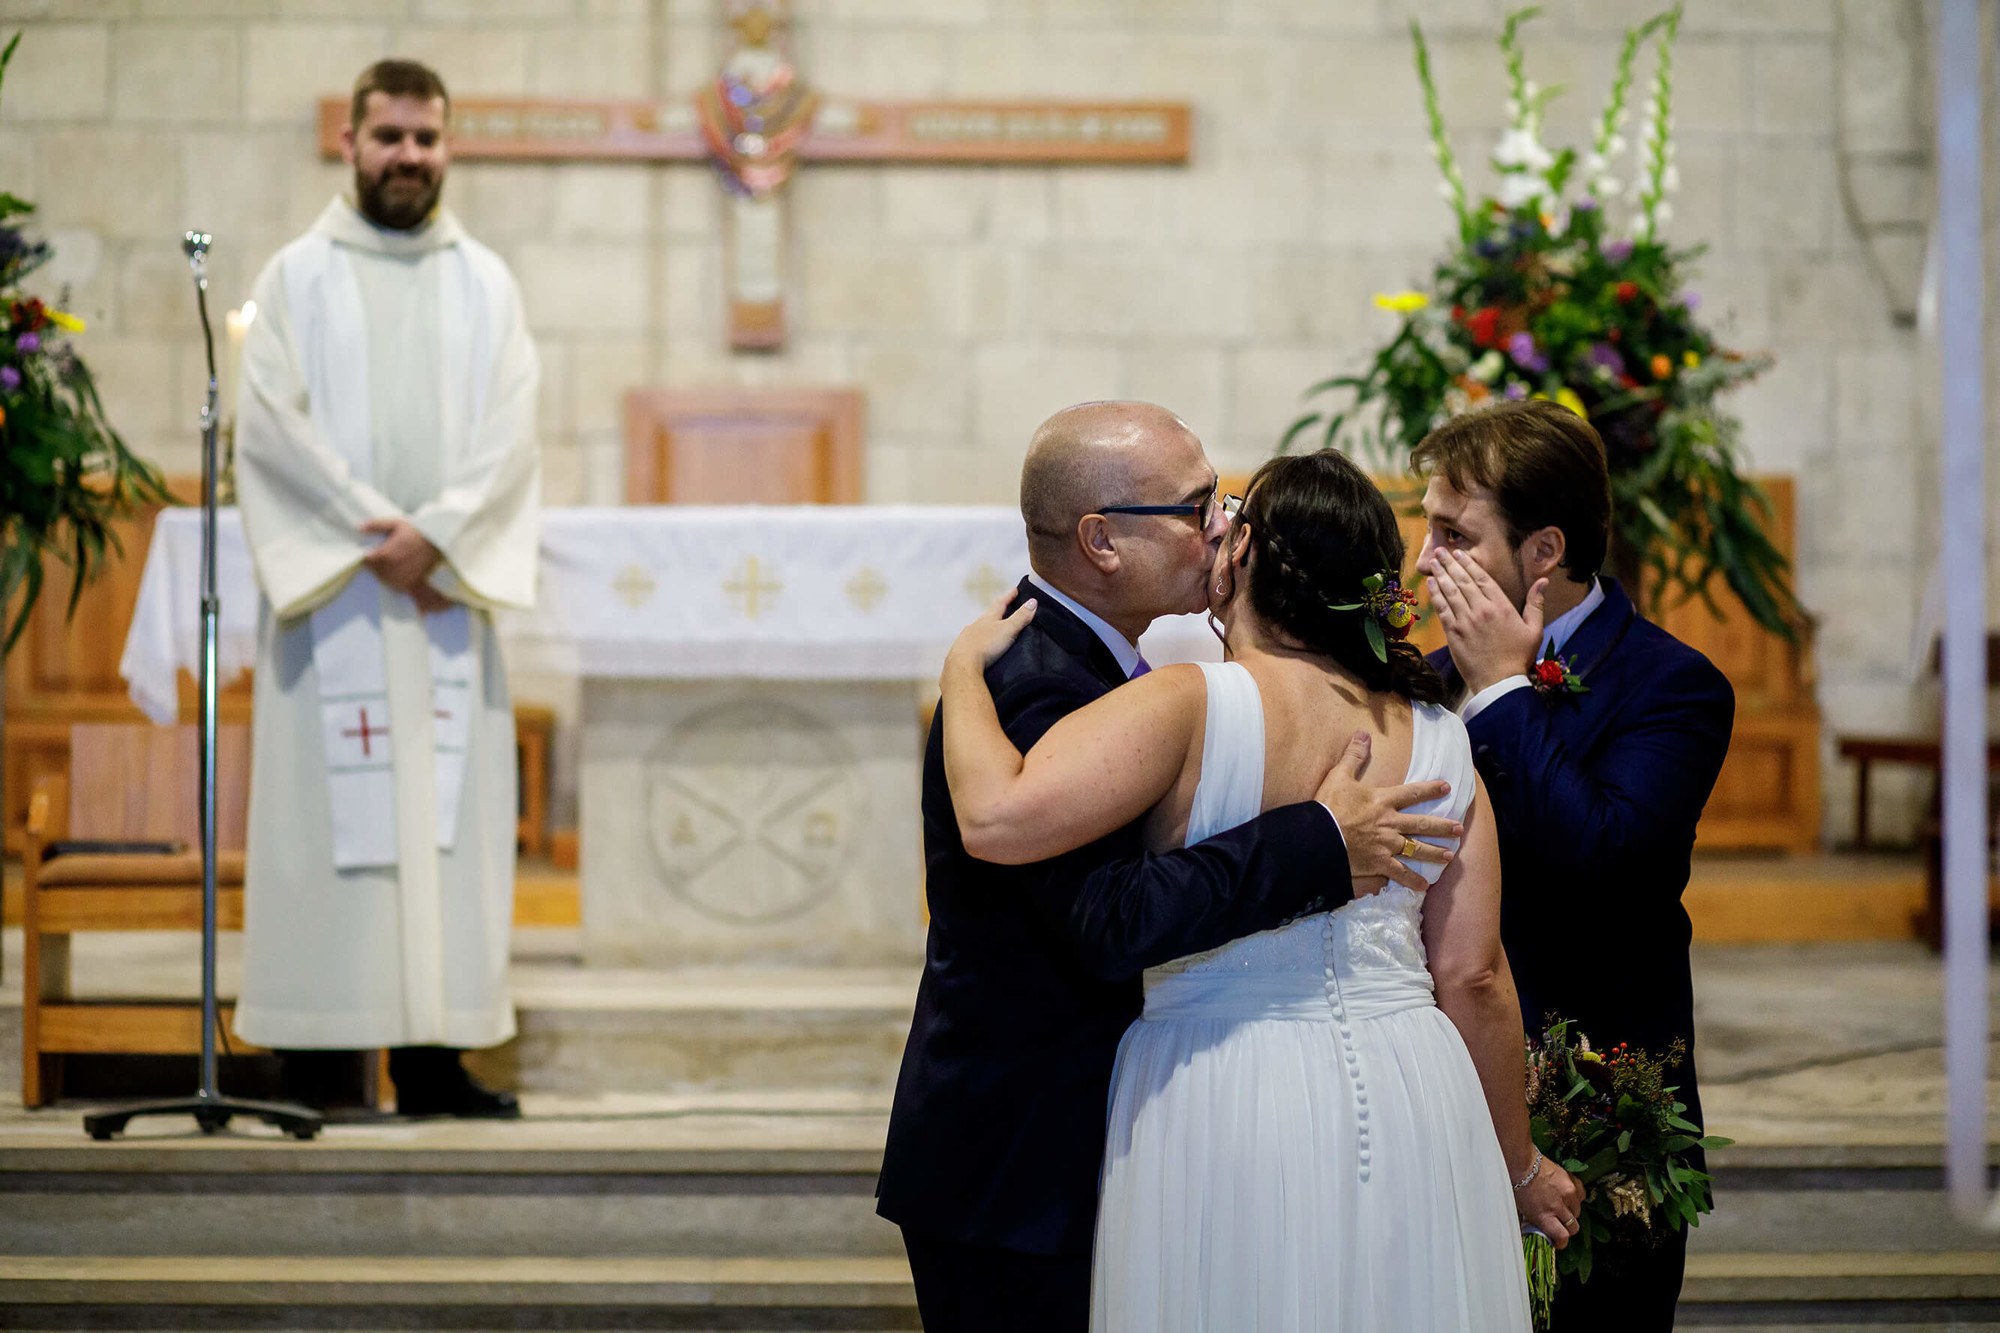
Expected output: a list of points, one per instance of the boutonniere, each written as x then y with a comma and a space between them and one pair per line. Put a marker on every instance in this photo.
1554, 675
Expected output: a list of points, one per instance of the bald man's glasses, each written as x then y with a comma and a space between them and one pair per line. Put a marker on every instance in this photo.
1202, 512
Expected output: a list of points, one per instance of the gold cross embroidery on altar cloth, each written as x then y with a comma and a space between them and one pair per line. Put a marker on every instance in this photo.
752, 588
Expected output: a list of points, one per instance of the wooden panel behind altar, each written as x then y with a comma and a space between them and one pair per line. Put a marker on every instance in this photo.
64, 670
1768, 795
743, 446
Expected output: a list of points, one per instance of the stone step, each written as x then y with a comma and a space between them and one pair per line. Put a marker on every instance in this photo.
669, 1178
594, 1030
1832, 1199
597, 1030
399, 1291
1957, 1290
327, 1200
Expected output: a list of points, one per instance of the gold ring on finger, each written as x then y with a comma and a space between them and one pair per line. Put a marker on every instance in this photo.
1409, 848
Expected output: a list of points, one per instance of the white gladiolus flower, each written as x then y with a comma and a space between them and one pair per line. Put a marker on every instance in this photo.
1670, 179
1594, 164
1605, 187
1513, 111
1521, 149
1617, 144
1663, 213
1531, 88
1517, 188
1445, 189
1487, 368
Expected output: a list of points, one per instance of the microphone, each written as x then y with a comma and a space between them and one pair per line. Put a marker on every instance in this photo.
195, 246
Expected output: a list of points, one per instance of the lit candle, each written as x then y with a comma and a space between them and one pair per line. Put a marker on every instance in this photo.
239, 322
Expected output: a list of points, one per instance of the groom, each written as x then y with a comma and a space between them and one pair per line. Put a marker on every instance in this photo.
1031, 973
1595, 791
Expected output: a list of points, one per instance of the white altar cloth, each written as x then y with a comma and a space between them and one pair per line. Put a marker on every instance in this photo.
808, 592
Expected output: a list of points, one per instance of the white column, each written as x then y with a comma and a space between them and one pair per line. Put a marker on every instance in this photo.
1961, 332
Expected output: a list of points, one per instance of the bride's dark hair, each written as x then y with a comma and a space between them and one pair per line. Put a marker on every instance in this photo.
1318, 527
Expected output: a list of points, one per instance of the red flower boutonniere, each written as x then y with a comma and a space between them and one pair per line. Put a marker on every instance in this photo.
1552, 676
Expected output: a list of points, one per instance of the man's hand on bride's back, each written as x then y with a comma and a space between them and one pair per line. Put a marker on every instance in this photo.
981, 644
1374, 826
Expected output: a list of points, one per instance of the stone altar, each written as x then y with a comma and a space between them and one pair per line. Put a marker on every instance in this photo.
751, 821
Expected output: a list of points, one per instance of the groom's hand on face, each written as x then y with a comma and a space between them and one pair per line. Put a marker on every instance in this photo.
1374, 827
1489, 639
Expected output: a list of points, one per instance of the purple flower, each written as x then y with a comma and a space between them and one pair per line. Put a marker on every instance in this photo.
1618, 251
1516, 390
28, 342
10, 378
1584, 204
1521, 346
1691, 299
1605, 355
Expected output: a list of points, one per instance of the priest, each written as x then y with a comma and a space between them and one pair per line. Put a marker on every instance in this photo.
388, 475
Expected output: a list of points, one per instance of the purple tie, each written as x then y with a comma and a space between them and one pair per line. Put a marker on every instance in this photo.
1141, 669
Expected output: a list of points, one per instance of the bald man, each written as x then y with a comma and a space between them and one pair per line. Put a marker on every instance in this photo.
1032, 973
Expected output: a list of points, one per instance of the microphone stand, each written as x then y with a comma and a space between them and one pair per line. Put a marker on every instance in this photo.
210, 1109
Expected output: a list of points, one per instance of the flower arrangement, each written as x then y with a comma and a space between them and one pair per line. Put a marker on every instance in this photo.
65, 475
1613, 1122
1548, 295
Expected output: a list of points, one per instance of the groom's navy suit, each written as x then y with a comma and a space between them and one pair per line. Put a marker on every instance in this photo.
1595, 798
1031, 975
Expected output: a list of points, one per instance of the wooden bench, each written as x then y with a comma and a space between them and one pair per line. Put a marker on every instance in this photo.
1925, 752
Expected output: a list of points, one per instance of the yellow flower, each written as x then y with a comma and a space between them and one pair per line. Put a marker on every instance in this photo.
1401, 616
1401, 302
63, 321
1564, 397
1691, 358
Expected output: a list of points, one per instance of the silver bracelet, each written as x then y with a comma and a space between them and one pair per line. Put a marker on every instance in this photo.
1533, 1171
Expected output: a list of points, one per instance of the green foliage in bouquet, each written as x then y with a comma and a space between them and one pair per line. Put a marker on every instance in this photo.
65, 475
1547, 295
1613, 1122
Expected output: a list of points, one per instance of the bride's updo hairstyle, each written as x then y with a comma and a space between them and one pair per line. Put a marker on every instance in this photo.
1318, 527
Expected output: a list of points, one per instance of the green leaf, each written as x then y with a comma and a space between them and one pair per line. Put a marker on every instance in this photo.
1376, 639
1297, 428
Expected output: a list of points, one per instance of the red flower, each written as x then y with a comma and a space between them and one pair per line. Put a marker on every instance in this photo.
1625, 291
1549, 674
1485, 326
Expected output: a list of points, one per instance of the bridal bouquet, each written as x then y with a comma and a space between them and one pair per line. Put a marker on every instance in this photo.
1613, 1122
1561, 286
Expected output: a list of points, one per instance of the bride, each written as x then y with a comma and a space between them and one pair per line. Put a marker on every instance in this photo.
1316, 1127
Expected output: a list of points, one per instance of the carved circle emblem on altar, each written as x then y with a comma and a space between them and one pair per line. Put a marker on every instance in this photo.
752, 806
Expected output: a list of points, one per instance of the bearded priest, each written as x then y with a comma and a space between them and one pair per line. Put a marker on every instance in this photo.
389, 479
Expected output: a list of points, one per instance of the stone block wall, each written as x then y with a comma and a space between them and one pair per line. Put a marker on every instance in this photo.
970, 301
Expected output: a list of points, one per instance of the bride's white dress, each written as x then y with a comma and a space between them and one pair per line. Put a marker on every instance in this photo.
1298, 1139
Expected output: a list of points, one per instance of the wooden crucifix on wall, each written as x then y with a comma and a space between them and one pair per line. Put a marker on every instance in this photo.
759, 120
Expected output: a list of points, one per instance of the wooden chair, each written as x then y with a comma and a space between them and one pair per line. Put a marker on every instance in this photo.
534, 728
125, 783
65, 668
743, 446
